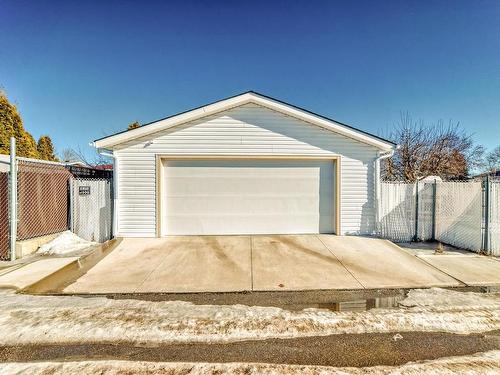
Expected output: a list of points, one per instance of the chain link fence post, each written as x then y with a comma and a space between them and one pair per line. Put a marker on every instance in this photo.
415, 237
486, 215
434, 205
13, 199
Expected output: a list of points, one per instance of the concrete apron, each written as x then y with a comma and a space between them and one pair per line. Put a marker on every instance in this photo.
54, 279
222, 264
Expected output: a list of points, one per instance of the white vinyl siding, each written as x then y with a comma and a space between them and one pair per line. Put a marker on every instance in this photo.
245, 130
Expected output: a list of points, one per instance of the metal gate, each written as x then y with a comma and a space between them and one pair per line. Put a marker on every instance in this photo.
91, 208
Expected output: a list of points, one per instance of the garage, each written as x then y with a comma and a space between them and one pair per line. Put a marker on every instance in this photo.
247, 196
247, 164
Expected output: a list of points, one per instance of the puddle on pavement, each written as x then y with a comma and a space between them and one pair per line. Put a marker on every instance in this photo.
342, 301
292, 301
367, 302
354, 305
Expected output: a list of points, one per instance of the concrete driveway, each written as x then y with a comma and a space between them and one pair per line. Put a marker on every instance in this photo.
257, 263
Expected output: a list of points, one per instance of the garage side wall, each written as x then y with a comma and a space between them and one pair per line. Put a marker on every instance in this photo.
250, 130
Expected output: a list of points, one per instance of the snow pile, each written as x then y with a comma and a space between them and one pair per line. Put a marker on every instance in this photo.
66, 242
443, 297
482, 363
28, 319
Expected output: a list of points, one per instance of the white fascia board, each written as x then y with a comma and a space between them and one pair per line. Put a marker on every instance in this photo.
236, 101
323, 122
173, 121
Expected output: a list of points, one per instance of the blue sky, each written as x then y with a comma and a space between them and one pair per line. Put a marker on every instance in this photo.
79, 70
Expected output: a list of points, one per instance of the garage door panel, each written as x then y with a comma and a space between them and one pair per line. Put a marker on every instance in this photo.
244, 183
244, 197
227, 205
268, 224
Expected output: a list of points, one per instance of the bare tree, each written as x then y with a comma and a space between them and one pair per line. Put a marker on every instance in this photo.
425, 150
71, 155
493, 160
68, 155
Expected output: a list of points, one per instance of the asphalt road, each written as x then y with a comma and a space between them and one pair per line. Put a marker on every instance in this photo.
335, 350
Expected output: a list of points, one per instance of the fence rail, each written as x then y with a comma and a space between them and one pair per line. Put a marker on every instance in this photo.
463, 214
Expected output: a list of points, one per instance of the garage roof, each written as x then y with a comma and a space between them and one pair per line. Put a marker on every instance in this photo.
238, 100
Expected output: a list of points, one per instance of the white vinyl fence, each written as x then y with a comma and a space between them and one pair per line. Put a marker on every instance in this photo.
462, 214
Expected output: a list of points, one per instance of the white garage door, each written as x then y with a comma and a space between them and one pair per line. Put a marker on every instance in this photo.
247, 197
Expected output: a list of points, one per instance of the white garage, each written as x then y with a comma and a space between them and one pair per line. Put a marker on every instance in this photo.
248, 164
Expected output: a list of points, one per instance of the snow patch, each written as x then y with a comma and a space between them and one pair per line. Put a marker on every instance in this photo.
444, 297
66, 242
481, 363
26, 319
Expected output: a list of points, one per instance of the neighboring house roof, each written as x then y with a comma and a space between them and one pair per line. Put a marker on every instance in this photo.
431, 179
104, 167
4, 163
493, 173
77, 164
238, 100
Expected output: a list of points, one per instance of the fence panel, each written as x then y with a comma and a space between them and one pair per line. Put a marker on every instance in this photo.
397, 211
42, 190
494, 225
459, 214
91, 214
4, 217
425, 211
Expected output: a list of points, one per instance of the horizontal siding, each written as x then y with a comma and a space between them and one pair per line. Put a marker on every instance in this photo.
250, 130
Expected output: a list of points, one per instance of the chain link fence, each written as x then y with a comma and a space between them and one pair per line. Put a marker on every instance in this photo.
494, 217
459, 214
42, 199
397, 211
462, 214
426, 211
52, 198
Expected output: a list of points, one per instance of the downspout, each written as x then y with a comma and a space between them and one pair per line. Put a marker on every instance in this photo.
110, 154
382, 156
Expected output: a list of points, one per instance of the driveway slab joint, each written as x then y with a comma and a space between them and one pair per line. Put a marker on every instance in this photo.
343, 265
150, 273
251, 262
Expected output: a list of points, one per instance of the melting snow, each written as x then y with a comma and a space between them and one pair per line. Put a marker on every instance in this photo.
49, 319
482, 363
444, 297
66, 242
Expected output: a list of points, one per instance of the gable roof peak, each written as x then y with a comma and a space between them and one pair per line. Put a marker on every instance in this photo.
236, 101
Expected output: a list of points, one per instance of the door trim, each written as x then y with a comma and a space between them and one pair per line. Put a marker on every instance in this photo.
336, 159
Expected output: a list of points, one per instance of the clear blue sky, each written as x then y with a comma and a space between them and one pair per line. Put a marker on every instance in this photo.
79, 70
